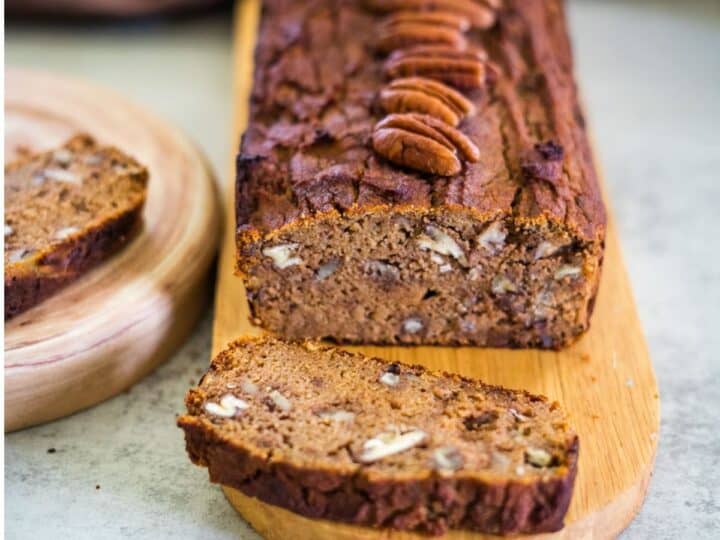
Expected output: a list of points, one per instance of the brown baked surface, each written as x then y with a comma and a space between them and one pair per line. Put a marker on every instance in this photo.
308, 178
66, 210
475, 456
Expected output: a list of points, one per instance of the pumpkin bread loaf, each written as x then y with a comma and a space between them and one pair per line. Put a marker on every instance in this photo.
418, 171
339, 436
66, 210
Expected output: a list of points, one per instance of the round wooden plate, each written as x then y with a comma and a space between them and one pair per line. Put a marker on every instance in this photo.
101, 334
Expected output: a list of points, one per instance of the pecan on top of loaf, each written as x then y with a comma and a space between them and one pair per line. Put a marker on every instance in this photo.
479, 14
462, 68
428, 56
423, 95
423, 142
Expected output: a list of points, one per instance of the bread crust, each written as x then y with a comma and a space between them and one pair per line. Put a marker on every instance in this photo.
512, 507
532, 101
63, 264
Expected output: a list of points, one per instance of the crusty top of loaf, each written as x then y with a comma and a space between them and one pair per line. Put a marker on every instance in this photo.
313, 107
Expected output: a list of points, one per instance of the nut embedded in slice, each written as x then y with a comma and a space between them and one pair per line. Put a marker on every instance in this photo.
389, 443
228, 407
389, 379
441, 243
568, 271
447, 458
282, 255
538, 457
65, 232
280, 401
337, 415
412, 325
493, 237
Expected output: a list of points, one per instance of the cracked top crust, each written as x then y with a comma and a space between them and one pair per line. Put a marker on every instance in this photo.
307, 149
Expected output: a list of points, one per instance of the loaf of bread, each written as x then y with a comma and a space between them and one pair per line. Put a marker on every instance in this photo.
418, 171
343, 437
66, 210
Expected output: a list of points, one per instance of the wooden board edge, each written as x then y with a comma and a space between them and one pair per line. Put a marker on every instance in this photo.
67, 376
275, 523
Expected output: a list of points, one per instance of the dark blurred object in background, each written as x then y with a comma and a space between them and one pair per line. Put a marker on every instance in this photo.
105, 8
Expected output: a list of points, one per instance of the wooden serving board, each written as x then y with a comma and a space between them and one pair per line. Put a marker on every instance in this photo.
99, 335
605, 381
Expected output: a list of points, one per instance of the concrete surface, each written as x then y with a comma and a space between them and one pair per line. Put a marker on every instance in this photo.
651, 77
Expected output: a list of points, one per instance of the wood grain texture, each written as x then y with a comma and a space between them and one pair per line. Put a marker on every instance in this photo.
99, 335
605, 381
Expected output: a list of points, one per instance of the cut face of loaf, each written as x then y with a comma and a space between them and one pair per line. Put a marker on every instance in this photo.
413, 276
66, 210
418, 189
339, 436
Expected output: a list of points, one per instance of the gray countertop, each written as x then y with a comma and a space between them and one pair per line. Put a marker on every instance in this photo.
650, 72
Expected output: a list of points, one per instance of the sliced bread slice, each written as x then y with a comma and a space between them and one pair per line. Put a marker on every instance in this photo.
66, 210
339, 436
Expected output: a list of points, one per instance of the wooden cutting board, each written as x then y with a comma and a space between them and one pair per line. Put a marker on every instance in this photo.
99, 335
605, 381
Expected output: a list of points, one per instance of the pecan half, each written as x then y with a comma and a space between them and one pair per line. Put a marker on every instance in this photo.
461, 141
441, 18
459, 68
423, 143
418, 94
480, 15
407, 34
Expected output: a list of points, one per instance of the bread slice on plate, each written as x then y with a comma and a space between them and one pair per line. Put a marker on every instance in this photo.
66, 210
343, 437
